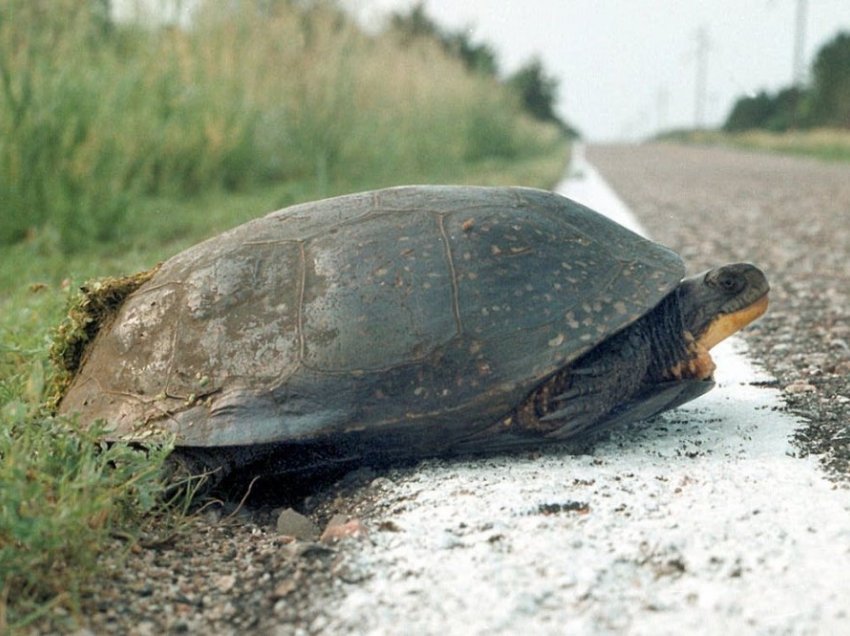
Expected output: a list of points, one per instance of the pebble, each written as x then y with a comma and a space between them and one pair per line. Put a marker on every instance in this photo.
382, 482
800, 387
225, 583
284, 588
341, 527
294, 524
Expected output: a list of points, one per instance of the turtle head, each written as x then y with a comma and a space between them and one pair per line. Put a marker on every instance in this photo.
717, 303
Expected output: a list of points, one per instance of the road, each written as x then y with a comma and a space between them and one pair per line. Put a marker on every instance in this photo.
729, 516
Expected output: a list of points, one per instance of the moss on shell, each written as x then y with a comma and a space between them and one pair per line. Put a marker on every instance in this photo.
90, 310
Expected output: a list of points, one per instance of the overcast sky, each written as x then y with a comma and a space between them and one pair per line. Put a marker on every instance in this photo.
628, 67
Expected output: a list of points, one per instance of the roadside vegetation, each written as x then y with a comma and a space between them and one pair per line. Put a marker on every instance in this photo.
812, 119
829, 144
121, 144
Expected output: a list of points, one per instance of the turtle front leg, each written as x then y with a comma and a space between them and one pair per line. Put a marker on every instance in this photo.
583, 394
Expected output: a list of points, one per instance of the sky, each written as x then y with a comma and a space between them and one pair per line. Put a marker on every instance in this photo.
627, 68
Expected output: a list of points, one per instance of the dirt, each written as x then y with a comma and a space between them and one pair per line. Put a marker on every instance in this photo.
232, 572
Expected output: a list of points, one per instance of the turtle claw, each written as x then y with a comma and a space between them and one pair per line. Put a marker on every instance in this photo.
592, 370
567, 395
571, 423
576, 409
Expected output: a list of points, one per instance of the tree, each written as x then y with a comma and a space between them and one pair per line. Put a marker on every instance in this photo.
538, 92
416, 23
749, 112
787, 112
830, 99
478, 57
772, 112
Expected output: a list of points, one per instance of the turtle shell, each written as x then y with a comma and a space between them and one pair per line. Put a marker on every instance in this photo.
430, 306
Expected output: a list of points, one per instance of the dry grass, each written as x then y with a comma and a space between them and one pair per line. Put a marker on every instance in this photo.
825, 143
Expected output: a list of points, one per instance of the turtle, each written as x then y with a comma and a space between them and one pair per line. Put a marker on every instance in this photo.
403, 323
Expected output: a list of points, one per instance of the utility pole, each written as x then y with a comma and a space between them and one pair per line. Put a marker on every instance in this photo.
799, 44
662, 100
701, 81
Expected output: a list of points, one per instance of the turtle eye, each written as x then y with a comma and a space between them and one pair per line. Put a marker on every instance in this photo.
725, 281
728, 282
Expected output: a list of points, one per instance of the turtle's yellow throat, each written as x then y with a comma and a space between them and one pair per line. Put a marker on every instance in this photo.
699, 364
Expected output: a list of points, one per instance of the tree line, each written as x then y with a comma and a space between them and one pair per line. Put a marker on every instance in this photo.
824, 102
534, 86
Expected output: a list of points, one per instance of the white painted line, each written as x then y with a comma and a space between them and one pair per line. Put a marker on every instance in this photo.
698, 523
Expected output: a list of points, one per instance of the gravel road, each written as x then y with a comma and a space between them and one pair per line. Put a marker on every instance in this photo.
789, 215
635, 535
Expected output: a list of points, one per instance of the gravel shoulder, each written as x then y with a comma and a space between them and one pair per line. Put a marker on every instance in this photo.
649, 530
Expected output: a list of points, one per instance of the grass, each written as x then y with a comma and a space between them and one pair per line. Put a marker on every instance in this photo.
95, 119
119, 147
828, 144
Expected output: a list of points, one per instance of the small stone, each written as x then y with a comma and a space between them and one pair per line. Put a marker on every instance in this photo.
800, 387
294, 524
212, 514
341, 527
838, 343
225, 583
284, 588
146, 628
381, 482
389, 526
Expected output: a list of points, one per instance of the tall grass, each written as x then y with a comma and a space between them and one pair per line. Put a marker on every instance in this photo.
93, 115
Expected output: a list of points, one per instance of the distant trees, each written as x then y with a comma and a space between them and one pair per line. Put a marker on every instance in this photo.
539, 92
536, 90
830, 97
825, 103
773, 112
416, 23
